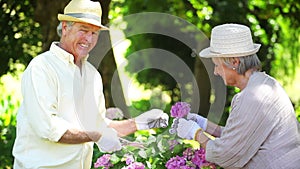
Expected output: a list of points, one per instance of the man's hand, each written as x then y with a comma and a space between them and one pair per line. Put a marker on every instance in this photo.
187, 128
109, 140
201, 121
154, 118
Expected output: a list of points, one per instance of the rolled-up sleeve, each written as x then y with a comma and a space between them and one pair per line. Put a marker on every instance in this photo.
39, 90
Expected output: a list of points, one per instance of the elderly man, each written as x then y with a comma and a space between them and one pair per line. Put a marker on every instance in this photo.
63, 109
262, 130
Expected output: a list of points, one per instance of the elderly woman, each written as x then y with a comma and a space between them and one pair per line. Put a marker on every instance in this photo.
261, 130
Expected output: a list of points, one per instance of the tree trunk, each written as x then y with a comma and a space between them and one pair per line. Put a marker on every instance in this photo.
200, 101
212, 92
46, 14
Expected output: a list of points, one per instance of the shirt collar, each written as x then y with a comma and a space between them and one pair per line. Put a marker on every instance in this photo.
62, 54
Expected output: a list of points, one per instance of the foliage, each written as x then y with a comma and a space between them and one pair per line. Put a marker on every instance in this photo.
159, 148
275, 24
7, 131
153, 148
9, 103
20, 34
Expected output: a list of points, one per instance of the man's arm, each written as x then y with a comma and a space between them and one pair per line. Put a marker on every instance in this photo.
74, 136
124, 127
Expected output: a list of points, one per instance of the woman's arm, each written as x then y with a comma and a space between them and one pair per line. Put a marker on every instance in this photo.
213, 129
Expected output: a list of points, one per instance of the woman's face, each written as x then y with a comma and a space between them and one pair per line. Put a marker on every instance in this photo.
228, 74
80, 39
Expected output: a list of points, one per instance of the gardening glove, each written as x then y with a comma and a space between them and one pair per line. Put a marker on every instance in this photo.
154, 118
187, 128
201, 121
109, 140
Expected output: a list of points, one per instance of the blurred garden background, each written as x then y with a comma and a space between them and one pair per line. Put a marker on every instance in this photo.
29, 26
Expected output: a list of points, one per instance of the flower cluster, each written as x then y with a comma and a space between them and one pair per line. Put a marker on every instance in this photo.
161, 145
135, 165
180, 109
131, 164
189, 160
105, 162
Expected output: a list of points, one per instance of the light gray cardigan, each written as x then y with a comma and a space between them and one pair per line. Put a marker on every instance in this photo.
261, 130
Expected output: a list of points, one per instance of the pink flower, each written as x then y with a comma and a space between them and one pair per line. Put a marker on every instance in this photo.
190, 159
199, 159
136, 165
175, 162
129, 159
180, 109
103, 161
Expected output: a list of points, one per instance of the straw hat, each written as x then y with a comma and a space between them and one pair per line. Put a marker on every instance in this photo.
85, 11
230, 40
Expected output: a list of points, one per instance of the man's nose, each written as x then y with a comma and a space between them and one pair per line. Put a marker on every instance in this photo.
89, 36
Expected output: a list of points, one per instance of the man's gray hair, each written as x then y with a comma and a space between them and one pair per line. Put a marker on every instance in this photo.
246, 63
59, 27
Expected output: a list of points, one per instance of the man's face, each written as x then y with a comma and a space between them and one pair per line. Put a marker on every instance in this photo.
79, 39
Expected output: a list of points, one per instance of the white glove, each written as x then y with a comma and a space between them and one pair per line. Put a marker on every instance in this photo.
187, 128
109, 140
201, 121
154, 118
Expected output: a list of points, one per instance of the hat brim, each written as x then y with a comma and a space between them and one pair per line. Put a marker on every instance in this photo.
62, 17
206, 53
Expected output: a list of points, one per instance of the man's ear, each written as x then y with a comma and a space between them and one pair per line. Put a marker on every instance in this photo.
63, 27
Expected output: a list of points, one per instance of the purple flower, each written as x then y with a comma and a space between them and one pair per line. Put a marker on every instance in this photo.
135, 165
199, 159
129, 159
188, 153
180, 109
175, 162
103, 161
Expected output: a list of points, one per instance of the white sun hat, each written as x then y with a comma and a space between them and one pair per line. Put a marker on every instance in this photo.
230, 40
85, 11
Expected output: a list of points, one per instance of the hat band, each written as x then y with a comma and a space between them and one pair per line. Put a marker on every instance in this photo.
84, 15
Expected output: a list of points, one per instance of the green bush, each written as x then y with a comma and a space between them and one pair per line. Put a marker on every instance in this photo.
7, 131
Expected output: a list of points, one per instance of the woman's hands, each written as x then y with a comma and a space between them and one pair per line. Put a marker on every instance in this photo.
187, 128
201, 121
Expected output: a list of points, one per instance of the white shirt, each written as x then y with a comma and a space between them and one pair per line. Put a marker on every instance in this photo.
57, 97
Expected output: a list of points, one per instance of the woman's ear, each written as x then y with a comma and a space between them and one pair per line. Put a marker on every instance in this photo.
235, 62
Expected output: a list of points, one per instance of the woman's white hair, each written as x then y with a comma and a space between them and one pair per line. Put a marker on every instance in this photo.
246, 63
